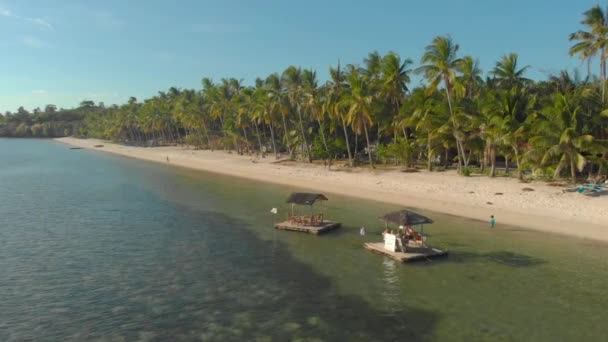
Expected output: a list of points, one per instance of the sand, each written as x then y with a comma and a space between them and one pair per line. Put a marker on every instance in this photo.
546, 208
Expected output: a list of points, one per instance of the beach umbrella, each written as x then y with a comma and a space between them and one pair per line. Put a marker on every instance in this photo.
405, 218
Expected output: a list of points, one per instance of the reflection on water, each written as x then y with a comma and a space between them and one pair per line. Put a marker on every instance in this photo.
94, 246
391, 294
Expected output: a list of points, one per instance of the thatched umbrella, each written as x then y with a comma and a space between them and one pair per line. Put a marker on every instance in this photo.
406, 218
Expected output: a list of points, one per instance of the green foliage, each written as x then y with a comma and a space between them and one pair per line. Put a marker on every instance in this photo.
401, 152
553, 128
320, 151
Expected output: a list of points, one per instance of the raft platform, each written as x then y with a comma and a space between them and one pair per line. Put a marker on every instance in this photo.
413, 254
321, 228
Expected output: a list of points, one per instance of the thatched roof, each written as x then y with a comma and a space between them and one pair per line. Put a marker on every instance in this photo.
406, 218
303, 198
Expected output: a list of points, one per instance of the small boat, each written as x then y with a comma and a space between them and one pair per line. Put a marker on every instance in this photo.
407, 244
76, 148
313, 223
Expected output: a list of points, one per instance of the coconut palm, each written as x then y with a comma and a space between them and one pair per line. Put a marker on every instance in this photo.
292, 80
593, 41
425, 119
334, 104
558, 136
440, 64
360, 101
395, 77
507, 72
312, 102
470, 81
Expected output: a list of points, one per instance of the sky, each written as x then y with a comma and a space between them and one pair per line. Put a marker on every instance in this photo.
65, 51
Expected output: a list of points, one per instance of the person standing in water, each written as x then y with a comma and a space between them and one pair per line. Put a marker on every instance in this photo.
492, 221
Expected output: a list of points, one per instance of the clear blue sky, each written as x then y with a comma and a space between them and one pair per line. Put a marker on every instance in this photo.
62, 52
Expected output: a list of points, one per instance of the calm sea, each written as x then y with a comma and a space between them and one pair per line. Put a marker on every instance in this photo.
104, 248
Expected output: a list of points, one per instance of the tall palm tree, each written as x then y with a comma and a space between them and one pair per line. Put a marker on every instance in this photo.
558, 135
335, 106
507, 72
312, 102
593, 41
360, 100
425, 119
470, 80
292, 80
440, 64
395, 77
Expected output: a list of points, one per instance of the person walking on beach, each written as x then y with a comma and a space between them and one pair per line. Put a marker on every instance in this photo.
167, 159
492, 221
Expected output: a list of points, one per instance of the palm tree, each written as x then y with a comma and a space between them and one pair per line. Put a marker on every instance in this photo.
507, 72
440, 65
360, 100
470, 80
592, 41
558, 135
312, 102
395, 77
334, 104
292, 79
425, 119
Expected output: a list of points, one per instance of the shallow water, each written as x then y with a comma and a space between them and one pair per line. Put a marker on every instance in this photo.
100, 247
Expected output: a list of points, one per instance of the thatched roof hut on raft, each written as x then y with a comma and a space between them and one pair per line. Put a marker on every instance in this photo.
312, 222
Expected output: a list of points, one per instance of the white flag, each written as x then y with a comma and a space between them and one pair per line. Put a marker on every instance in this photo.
274, 210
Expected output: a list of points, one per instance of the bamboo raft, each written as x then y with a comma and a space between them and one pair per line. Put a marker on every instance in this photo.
413, 254
316, 229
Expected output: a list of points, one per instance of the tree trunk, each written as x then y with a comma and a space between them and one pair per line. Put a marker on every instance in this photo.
274, 145
558, 170
323, 137
246, 138
350, 157
369, 151
603, 73
458, 147
286, 137
257, 131
236, 145
520, 173
506, 165
572, 170
304, 135
208, 138
356, 148
428, 152
493, 161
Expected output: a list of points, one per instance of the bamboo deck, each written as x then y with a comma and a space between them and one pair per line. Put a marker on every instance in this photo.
414, 253
316, 230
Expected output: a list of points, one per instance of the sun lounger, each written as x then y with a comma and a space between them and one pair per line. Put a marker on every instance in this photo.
596, 191
587, 188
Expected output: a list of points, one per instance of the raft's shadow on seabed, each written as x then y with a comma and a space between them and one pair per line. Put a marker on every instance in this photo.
307, 293
500, 257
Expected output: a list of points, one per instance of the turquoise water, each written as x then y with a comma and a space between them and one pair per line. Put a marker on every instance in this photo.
100, 247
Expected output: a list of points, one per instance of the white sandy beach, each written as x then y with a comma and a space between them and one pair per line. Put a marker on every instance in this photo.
546, 208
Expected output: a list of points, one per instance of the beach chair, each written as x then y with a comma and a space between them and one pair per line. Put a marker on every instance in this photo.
597, 190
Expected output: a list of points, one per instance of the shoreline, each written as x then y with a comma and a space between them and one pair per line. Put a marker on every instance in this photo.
545, 209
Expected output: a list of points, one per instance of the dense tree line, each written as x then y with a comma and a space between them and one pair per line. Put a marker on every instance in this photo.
368, 114
48, 123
